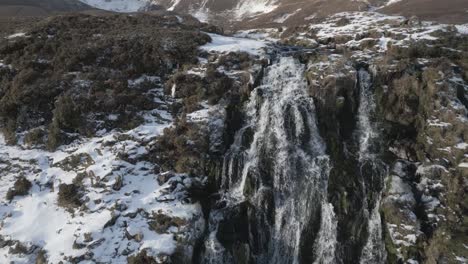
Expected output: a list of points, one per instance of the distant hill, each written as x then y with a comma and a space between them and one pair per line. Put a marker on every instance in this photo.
448, 11
272, 13
12, 8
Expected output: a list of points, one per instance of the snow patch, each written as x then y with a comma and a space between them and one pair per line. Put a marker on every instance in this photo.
248, 8
462, 29
224, 44
16, 35
285, 17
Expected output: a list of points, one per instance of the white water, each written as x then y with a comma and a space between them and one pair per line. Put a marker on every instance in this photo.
325, 245
366, 108
287, 157
374, 249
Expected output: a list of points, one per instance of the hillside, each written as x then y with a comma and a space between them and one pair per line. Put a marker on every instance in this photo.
271, 13
303, 133
11, 8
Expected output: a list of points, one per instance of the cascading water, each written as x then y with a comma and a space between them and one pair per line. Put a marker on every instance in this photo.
374, 249
278, 167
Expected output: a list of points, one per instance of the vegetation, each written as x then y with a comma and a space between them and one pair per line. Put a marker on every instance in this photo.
74, 67
69, 196
21, 187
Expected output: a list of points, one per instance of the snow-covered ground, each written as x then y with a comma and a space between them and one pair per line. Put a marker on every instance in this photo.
353, 23
122, 198
225, 44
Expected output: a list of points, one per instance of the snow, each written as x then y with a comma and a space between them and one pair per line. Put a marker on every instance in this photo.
173, 90
202, 114
462, 29
17, 35
285, 17
265, 34
398, 186
36, 220
462, 145
249, 8
113, 117
202, 14
225, 44
391, 2
314, 15
174, 5
383, 43
359, 22
118, 5
142, 79
463, 165
427, 169
437, 123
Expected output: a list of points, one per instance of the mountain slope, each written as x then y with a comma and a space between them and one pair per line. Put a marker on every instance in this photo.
449, 11
272, 13
39, 7
118, 5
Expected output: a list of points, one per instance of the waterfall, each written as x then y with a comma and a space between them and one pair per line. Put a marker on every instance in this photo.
374, 249
279, 166
366, 129
326, 241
